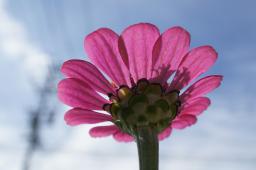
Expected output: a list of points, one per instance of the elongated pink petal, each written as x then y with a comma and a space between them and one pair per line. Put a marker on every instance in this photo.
123, 137
136, 46
202, 87
88, 73
76, 93
79, 116
102, 48
196, 106
103, 131
195, 63
184, 121
168, 52
166, 133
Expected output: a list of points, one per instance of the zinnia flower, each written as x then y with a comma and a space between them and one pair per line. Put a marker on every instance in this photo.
137, 66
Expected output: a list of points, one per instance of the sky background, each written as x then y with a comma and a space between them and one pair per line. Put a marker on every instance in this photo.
36, 33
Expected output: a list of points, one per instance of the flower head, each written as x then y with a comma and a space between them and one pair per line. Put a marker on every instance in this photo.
138, 64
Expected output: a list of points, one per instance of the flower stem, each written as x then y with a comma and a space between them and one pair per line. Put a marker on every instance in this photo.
147, 144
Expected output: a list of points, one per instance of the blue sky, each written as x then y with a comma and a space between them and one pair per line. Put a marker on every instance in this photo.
35, 33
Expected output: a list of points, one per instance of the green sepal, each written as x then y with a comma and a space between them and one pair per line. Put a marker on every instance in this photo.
154, 89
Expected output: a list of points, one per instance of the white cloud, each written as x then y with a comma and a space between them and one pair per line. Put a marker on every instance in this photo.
20, 60
16, 46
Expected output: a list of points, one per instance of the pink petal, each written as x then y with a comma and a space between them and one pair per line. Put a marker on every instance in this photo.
196, 106
102, 48
195, 63
76, 93
103, 131
123, 137
168, 52
78, 116
166, 133
183, 121
87, 72
136, 45
202, 87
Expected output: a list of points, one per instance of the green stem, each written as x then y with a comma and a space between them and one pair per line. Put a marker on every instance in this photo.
147, 143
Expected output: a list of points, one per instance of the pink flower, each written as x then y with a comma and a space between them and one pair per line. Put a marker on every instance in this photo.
138, 62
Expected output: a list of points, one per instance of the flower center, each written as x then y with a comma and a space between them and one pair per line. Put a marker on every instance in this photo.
145, 104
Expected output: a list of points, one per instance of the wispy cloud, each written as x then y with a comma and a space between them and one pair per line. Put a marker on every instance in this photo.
20, 61
16, 46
